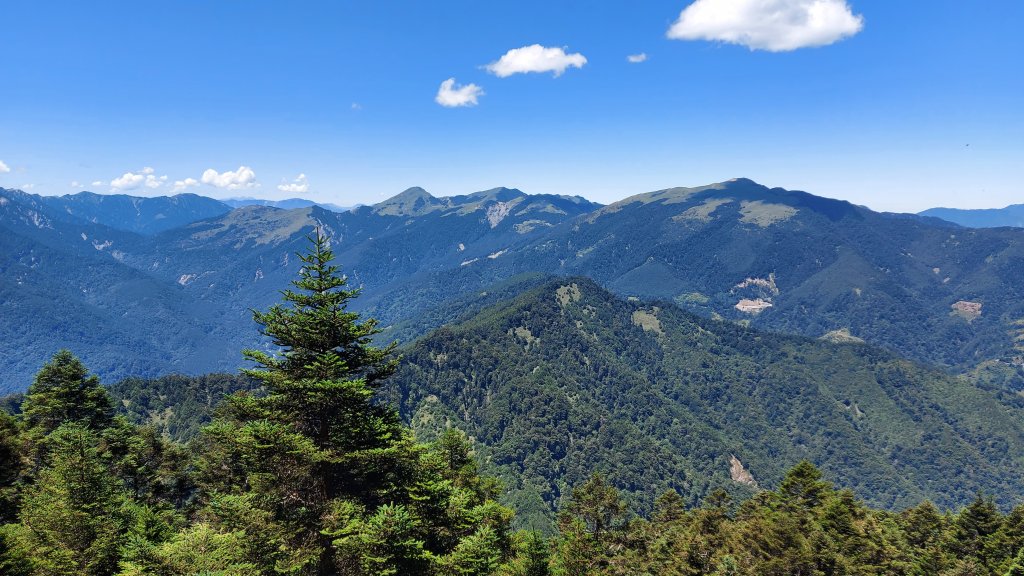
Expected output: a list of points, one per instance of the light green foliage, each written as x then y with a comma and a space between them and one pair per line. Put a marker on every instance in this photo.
72, 517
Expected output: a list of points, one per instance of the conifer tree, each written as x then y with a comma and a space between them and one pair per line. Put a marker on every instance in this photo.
323, 478
71, 519
10, 467
64, 391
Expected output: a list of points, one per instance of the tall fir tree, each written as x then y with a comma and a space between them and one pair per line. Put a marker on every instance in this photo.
64, 391
329, 479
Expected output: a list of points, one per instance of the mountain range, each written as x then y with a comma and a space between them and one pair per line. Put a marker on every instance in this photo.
687, 338
134, 299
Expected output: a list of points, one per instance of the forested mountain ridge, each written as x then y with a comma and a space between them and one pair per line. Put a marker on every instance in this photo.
132, 213
791, 262
780, 260
65, 282
202, 279
314, 476
567, 378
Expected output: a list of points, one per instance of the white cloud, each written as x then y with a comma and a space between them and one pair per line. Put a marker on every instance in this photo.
75, 184
773, 25
153, 181
298, 186
97, 183
127, 181
133, 180
637, 58
181, 185
451, 96
535, 58
244, 177
3, 168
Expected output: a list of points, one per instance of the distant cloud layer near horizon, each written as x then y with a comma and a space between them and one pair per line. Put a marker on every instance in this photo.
772, 25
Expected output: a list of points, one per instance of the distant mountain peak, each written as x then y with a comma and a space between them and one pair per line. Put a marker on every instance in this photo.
413, 201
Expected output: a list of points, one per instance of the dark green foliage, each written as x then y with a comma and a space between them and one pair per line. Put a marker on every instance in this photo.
10, 467
806, 527
177, 406
330, 477
63, 391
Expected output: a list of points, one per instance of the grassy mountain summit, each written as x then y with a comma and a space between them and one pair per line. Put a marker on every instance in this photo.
567, 378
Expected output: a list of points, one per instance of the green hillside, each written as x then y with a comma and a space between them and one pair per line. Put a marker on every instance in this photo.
567, 378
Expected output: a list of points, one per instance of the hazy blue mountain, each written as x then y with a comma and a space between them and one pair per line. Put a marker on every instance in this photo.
67, 284
135, 214
288, 204
212, 272
566, 379
1012, 215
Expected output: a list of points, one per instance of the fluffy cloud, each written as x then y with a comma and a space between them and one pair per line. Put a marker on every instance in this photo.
3, 168
133, 180
637, 58
451, 96
154, 182
182, 185
244, 177
298, 186
127, 181
97, 183
773, 25
535, 58
75, 184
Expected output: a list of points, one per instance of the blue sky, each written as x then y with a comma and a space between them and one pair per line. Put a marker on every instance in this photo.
921, 105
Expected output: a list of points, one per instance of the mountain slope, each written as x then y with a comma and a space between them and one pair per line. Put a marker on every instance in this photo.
66, 284
192, 288
567, 378
133, 214
1012, 215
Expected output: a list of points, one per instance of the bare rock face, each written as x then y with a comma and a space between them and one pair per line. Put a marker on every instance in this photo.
739, 474
755, 306
966, 310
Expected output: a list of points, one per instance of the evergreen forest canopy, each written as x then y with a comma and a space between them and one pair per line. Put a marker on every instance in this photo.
309, 474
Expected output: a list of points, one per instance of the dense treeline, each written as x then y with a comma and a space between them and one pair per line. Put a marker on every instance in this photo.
311, 476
